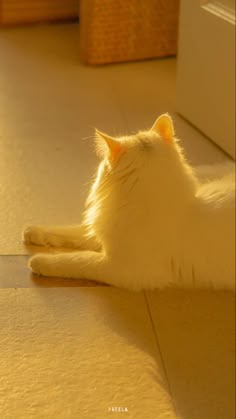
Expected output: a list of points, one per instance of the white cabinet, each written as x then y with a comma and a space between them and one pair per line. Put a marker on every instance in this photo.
206, 69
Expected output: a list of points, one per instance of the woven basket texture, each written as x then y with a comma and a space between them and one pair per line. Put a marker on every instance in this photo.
125, 30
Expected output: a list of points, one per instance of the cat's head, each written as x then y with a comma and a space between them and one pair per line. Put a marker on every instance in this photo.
159, 141
145, 163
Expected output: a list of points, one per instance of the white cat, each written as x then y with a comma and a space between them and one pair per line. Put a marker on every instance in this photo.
149, 222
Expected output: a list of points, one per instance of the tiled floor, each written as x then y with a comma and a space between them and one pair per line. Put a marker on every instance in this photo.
76, 352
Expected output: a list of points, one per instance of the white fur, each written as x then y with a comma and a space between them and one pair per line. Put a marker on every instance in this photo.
149, 223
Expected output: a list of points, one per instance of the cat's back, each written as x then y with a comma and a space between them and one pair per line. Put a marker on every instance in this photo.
215, 208
218, 194
211, 231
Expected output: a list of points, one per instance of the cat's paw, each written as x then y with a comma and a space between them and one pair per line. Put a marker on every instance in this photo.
40, 264
34, 235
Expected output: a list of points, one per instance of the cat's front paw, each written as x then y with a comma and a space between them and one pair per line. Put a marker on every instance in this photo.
34, 235
40, 265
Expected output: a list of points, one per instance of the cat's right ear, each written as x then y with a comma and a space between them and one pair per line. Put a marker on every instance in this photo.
164, 127
107, 146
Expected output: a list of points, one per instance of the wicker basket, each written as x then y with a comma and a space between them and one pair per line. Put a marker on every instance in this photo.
120, 30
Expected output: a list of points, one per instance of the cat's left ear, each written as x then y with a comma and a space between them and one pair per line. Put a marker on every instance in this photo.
164, 127
106, 144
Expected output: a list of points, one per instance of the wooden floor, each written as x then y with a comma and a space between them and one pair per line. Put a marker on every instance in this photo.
73, 349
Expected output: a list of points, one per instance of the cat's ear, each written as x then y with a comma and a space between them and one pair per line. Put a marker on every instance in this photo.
105, 143
164, 127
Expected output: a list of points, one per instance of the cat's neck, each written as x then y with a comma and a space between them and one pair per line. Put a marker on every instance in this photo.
178, 184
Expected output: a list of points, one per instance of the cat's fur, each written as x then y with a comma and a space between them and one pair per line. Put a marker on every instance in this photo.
149, 221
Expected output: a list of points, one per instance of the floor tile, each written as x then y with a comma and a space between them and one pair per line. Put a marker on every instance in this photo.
75, 353
196, 333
